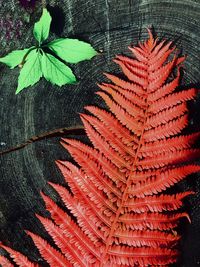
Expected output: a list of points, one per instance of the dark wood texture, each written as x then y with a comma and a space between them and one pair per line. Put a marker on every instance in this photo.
111, 26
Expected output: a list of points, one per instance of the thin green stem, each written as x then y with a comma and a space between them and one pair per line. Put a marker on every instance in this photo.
25, 56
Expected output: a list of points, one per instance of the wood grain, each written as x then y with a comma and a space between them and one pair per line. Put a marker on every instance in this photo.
110, 26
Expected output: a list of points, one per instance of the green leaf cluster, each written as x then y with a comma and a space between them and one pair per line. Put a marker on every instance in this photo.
35, 62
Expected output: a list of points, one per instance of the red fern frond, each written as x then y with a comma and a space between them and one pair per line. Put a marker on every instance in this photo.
118, 211
5, 262
19, 258
157, 203
50, 254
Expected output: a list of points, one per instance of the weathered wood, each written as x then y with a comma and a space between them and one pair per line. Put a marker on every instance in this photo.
109, 25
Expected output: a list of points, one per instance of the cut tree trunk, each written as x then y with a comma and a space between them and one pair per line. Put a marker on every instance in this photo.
38, 113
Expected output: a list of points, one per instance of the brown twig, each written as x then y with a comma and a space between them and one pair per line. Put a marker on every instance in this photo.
56, 132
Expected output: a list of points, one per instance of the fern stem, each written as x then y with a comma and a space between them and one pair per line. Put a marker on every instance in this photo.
124, 196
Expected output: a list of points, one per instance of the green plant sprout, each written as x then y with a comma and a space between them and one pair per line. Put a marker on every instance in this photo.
35, 62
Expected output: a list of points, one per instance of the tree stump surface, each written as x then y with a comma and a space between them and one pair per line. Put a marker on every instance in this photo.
110, 26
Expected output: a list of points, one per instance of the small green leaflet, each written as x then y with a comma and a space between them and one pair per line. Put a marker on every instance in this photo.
14, 58
42, 27
35, 62
56, 72
31, 71
72, 50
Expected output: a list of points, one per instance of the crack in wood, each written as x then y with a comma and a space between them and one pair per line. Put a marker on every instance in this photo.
76, 130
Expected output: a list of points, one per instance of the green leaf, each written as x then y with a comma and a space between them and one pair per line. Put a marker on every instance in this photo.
42, 27
72, 50
31, 72
14, 58
55, 71
36, 63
